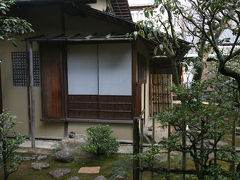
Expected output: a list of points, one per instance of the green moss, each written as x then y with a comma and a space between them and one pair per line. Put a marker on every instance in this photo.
25, 172
109, 165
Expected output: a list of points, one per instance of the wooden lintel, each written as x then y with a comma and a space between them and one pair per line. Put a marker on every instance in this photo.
125, 121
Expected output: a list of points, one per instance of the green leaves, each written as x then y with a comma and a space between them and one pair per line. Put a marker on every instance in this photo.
206, 123
100, 141
9, 160
11, 26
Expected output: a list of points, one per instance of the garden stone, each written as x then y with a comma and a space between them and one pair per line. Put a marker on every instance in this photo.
159, 157
100, 178
42, 157
28, 158
122, 175
221, 143
74, 178
72, 135
40, 165
64, 156
73, 145
58, 173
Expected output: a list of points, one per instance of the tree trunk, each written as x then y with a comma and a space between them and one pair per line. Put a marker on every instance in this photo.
174, 68
201, 71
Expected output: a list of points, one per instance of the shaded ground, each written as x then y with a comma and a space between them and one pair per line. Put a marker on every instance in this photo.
107, 164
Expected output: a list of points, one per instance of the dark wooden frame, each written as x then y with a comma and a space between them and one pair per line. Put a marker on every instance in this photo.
65, 114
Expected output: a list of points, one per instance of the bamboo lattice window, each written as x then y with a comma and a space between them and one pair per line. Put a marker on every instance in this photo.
19, 68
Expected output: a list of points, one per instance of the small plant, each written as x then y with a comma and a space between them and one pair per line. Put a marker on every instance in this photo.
100, 141
9, 160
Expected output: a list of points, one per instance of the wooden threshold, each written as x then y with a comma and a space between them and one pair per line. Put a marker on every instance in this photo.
110, 121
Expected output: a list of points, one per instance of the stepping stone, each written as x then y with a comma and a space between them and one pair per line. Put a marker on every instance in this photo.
58, 173
42, 157
100, 178
89, 170
74, 178
40, 165
64, 156
122, 175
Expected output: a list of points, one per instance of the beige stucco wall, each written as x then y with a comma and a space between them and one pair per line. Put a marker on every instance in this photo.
15, 102
15, 98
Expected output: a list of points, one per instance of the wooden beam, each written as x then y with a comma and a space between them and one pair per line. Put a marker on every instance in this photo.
32, 95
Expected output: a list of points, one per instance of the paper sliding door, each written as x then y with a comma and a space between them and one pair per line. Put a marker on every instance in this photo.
100, 81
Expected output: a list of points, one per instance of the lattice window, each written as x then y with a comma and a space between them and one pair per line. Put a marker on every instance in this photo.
19, 65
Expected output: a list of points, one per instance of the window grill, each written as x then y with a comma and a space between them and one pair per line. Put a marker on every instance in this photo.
19, 66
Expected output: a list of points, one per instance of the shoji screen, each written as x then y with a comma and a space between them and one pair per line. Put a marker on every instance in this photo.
115, 69
82, 70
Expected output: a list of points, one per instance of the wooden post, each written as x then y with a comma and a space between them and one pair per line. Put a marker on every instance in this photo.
65, 129
141, 135
153, 141
184, 150
32, 96
232, 166
1, 105
169, 152
141, 143
136, 170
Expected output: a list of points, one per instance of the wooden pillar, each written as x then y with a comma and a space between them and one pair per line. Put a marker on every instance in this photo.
136, 139
32, 96
1, 105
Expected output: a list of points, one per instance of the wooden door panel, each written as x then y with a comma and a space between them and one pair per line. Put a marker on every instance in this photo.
51, 64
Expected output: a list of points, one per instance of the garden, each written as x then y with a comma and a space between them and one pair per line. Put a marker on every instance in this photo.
203, 139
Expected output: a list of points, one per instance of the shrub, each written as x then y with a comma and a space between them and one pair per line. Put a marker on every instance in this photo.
100, 141
9, 160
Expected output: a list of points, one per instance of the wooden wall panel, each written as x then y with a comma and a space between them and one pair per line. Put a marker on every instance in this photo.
115, 107
51, 64
160, 93
100, 107
83, 106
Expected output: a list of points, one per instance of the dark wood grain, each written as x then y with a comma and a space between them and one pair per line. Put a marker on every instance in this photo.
52, 96
100, 107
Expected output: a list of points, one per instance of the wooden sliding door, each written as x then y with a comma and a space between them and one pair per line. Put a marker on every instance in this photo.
100, 81
51, 80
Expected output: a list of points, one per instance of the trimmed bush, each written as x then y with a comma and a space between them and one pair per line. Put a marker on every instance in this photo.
100, 141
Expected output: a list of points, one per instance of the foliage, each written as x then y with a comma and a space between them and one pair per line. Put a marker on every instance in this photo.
207, 124
202, 22
9, 160
11, 26
100, 141
161, 30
